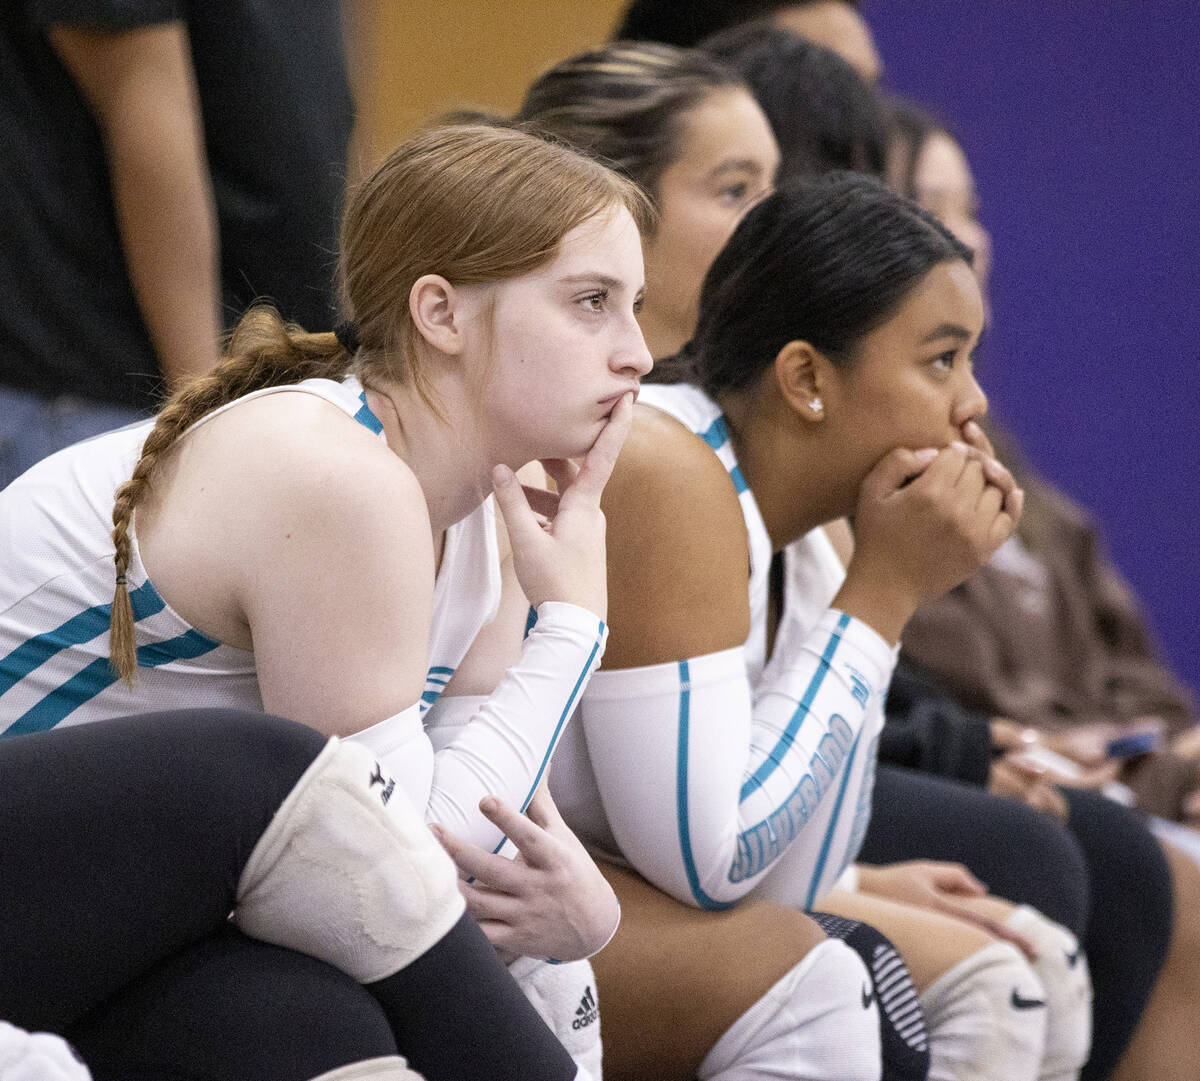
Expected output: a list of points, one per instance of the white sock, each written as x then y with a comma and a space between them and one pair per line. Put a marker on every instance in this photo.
348, 872
1063, 970
811, 1026
390, 1068
565, 996
986, 1018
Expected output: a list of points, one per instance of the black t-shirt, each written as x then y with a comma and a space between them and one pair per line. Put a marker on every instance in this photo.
277, 118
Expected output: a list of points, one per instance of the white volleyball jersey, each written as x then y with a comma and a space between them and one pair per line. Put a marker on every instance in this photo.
57, 579
719, 775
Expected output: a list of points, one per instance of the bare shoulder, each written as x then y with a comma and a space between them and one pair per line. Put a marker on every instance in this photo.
286, 484
329, 538
678, 550
304, 463
301, 451
672, 481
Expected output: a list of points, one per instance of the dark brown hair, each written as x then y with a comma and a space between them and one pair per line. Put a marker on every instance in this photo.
625, 104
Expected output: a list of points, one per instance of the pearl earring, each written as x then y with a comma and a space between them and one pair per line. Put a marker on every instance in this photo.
816, 405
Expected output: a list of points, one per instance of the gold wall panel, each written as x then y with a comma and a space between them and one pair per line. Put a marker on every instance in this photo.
413, 61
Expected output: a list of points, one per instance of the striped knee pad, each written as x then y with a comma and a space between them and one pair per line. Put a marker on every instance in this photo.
903, 1035
348, 872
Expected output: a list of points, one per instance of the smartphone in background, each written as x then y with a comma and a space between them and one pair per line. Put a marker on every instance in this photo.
1044, 758
1133, 745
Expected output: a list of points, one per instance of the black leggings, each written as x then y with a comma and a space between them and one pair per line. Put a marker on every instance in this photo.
1102, 876
121, 845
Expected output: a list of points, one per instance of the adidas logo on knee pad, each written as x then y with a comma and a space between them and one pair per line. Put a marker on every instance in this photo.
587, 1012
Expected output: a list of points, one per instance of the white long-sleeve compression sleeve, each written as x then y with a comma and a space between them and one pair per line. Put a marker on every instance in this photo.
706, 783
504, 748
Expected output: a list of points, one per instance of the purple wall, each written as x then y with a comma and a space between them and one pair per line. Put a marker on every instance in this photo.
1082, 123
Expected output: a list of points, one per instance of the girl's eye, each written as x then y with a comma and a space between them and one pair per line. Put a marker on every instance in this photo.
638, 305
596, 301
945, 362
735, 193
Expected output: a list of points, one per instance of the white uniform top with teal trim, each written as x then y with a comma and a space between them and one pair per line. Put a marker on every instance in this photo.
719, 775
56, 590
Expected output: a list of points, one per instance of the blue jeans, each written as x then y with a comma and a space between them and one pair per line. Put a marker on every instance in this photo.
33, 426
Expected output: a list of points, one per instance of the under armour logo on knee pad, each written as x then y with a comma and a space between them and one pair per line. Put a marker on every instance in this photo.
388, 784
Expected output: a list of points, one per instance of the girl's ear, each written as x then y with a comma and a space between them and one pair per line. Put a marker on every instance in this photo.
436, 312
804, 376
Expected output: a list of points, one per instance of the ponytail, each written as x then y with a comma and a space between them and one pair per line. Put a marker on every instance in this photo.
679, 367
263, 351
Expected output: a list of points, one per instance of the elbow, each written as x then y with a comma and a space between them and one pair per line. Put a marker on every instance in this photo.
721, 883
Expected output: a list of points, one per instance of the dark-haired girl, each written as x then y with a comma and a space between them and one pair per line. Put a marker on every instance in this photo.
618, 102
822, 113
731, 736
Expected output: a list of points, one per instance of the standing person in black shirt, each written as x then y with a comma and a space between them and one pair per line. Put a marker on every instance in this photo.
165, 164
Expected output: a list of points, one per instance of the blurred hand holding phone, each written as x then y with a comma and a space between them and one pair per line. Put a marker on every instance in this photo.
1097, 772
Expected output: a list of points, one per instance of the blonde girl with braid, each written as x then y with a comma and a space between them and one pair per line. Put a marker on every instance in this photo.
310, 530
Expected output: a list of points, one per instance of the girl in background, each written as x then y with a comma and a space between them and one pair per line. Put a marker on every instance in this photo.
1096, 660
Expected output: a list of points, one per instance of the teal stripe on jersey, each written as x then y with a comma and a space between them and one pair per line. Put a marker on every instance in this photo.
366, 418
88, 624
83, 686
185, 647
681, 797
833, 822
788, 736
717, 434
435, 683
98, 676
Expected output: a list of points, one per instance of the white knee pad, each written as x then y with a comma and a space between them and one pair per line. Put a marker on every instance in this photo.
1063, 970
565, 996
390, 1068
986, 1018
37, 1056
819, 1023
348, 872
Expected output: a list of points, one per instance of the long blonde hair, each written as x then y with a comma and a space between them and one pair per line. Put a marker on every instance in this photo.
473, 203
